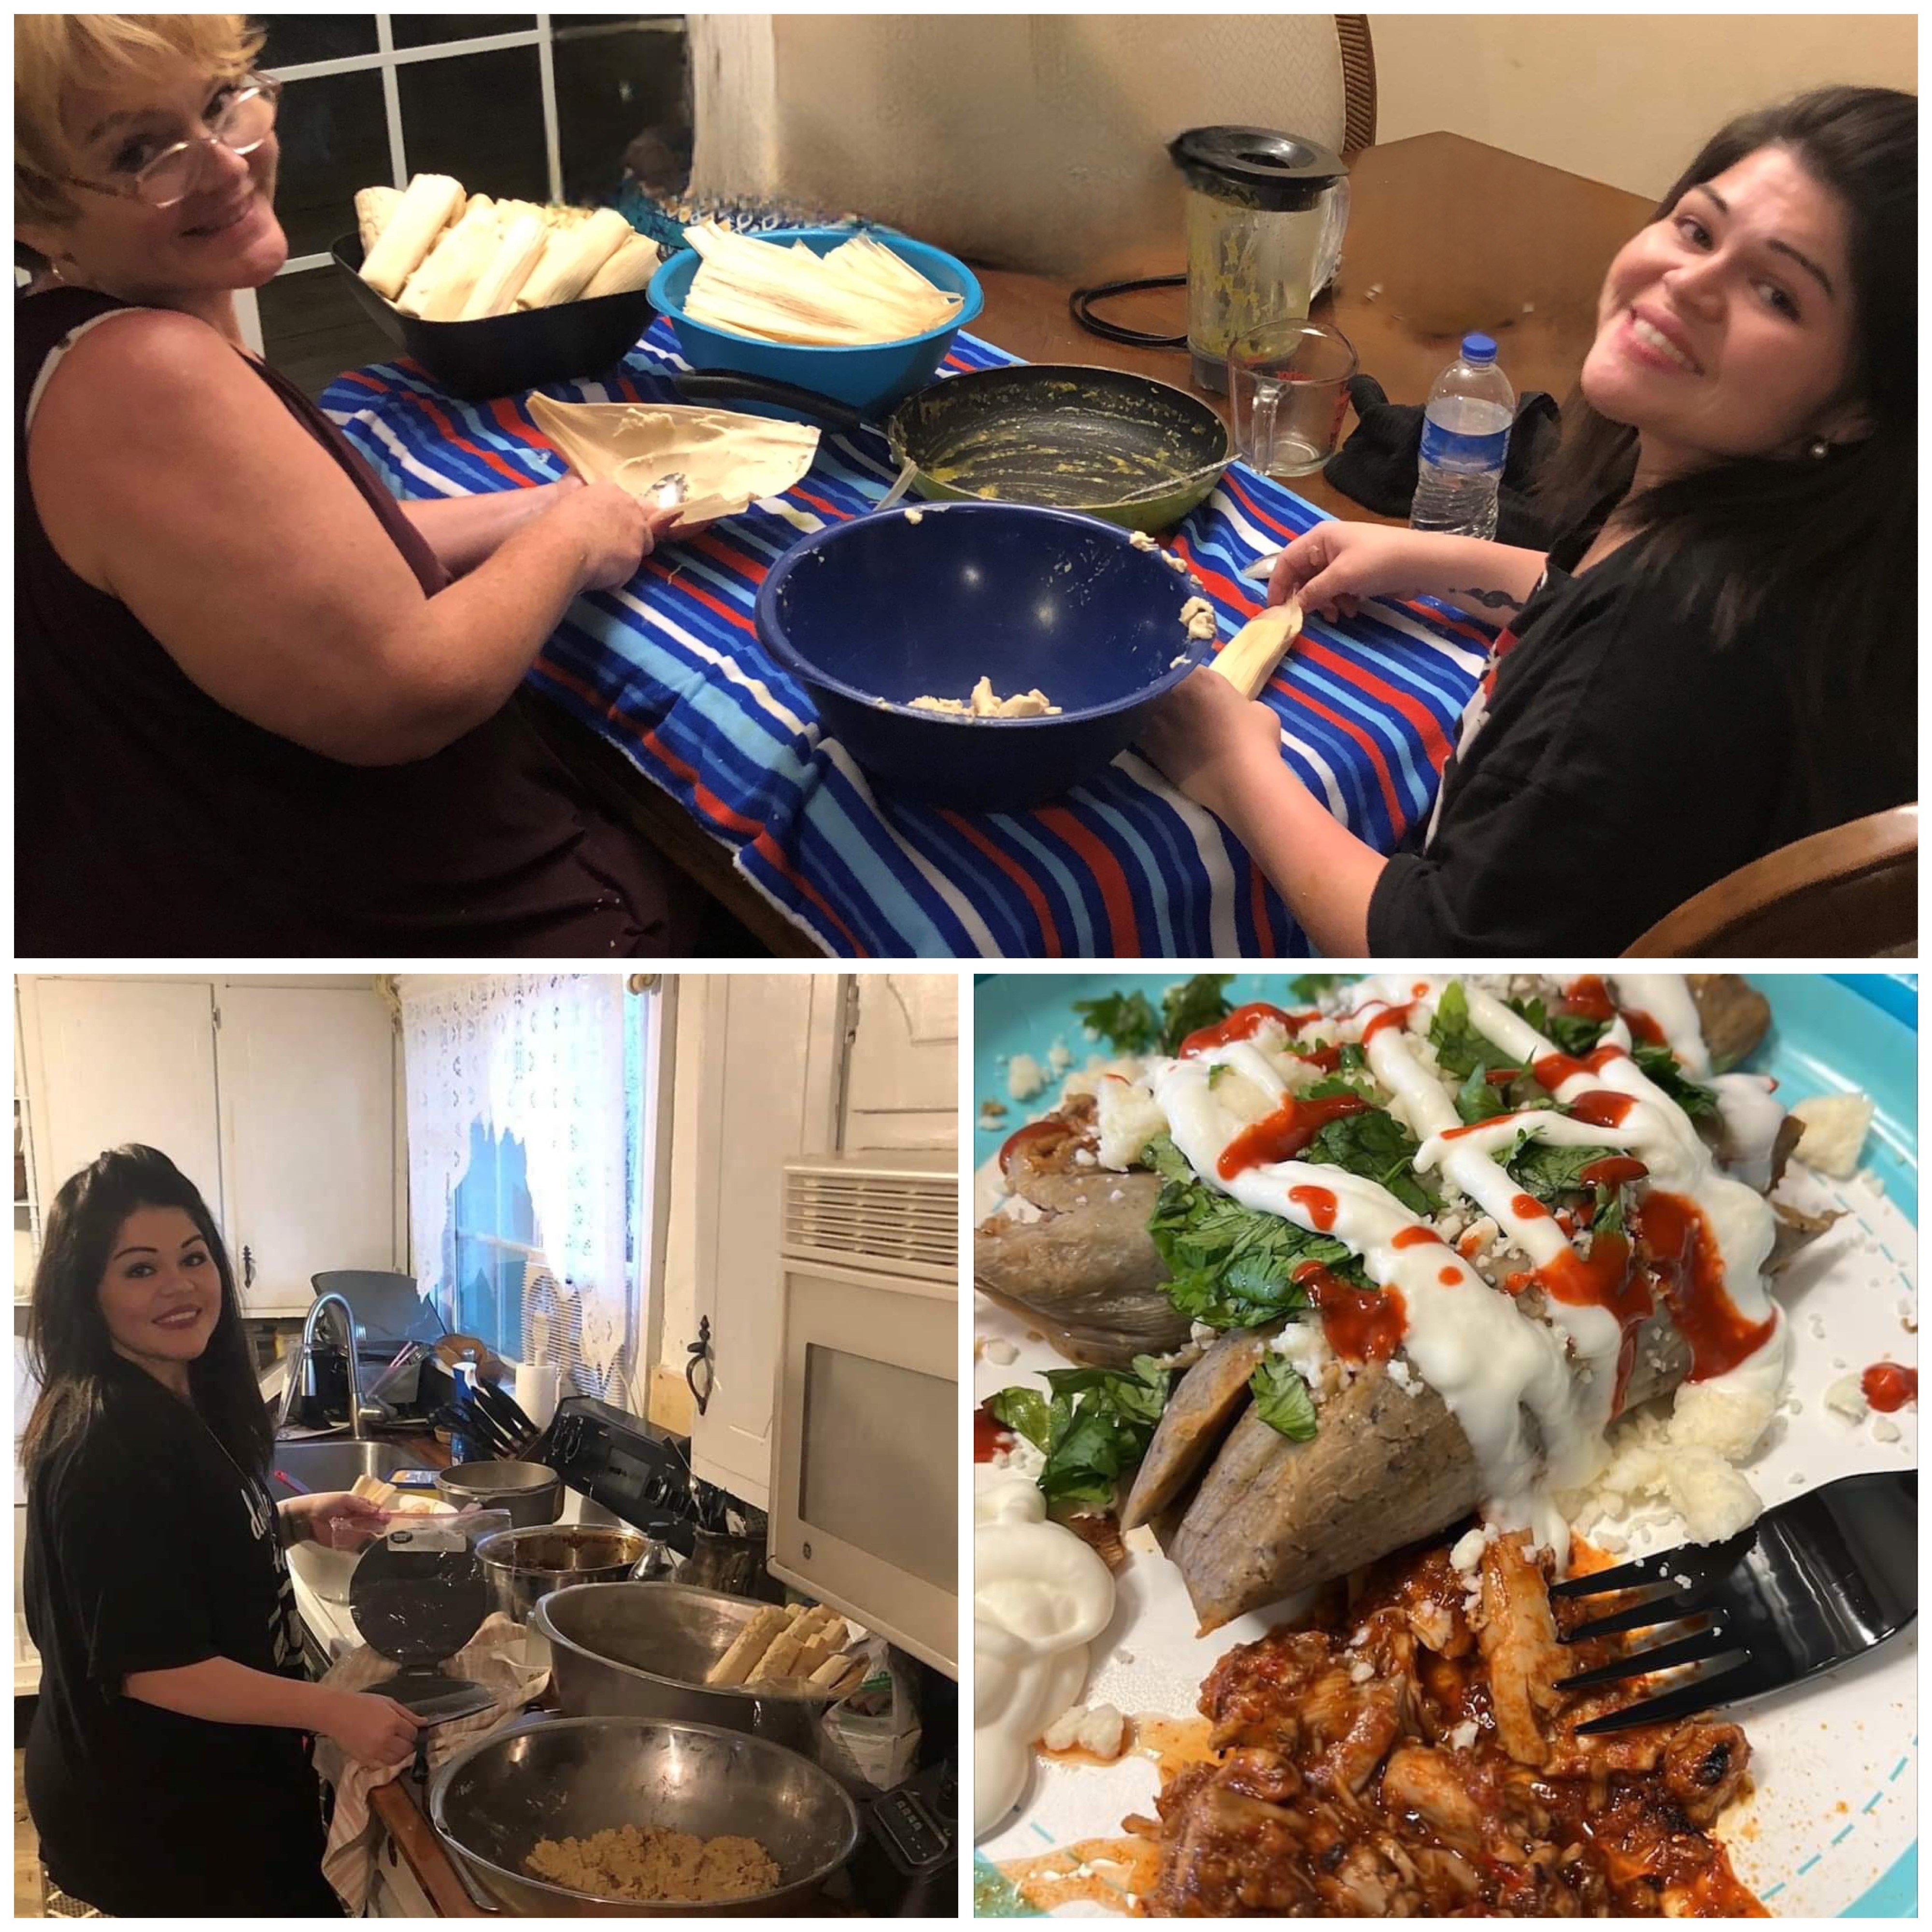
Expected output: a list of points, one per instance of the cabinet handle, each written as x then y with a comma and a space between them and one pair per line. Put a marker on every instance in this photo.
247, 1266
699, 1352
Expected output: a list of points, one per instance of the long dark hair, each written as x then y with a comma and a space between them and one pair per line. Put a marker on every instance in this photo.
1833, 541
68, 1348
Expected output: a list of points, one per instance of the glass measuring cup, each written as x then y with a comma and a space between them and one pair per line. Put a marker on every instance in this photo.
1288, 385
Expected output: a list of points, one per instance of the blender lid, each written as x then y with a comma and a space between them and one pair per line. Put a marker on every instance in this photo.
1257, 167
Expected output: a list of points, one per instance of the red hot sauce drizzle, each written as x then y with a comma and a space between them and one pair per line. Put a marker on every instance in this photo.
1552, 1069
1285, 1133
1682, 1256
1394, 1016
1589, 999
1602, 1108
990, 1435
1889, 1386
1319, 1204
1362, 1325
1243, 1023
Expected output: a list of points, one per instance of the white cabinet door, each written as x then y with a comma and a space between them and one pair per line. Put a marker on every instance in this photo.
308, 1134
902, 1086
113, 1060
766, 1092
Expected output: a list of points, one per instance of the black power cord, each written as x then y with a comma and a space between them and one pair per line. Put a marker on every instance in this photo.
1080, 304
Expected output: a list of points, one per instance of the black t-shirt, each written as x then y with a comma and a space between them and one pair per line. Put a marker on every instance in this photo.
1626, 762
147, 1549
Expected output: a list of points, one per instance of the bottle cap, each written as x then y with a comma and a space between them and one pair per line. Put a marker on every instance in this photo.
1479, 349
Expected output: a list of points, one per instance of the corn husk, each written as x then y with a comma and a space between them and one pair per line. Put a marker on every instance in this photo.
574, 253
438, 289
516, 255
373, 208
859, 294
429, 204
630, 268
1248, 659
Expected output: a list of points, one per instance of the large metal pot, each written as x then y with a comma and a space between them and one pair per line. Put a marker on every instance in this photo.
533, 1494
570, 1777
524, 1566
642, 1650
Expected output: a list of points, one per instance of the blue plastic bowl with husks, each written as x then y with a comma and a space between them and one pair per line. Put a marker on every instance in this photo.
924, 603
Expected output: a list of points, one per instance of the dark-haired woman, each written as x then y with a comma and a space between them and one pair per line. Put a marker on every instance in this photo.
1717, 656
165, 1771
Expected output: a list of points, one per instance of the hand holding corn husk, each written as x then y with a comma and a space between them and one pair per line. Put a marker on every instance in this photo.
443, 257
790, 1649
859, 294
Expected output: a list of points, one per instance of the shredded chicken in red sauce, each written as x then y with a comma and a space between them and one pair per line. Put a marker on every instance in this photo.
1349, 1784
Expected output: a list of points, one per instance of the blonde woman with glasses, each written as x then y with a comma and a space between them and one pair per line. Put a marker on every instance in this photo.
262, 707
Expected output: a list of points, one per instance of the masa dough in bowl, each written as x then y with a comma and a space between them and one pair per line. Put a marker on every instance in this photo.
727, 461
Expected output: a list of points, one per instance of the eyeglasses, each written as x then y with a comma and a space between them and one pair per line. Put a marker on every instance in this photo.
245, 122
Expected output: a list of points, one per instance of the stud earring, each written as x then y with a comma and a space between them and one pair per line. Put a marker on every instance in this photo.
1817, 449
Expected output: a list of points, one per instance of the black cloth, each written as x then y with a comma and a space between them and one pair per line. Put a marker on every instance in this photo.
1378, 465
1626, 762
155, 821
148, 1550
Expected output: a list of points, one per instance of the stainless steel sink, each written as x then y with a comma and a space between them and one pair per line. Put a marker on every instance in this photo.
335, 1466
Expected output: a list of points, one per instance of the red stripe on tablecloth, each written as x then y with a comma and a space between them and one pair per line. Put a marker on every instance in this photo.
1124, 930
477, 449
1433, 741
1263, 929
1049, 933
1397, 818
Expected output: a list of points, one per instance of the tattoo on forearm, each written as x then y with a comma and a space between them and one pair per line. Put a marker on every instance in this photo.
1491, 600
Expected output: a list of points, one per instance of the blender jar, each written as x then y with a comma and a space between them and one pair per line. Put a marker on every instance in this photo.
1265, 216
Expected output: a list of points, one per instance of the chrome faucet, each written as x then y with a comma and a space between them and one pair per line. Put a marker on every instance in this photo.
299, 1368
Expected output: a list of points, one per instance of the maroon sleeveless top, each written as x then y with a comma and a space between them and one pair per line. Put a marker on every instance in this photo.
151, 820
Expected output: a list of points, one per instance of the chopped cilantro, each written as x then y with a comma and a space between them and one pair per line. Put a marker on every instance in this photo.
1374, 1145
1195, 1003
1124, 1020
1460, 1048
1093, 1426
1480, 1098
1568, 1032
1658, 1065
1310, 989
1551, 1173
1217, 1073
1281, 1399
1229, 1266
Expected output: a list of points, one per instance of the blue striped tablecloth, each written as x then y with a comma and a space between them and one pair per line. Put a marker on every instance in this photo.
670, 671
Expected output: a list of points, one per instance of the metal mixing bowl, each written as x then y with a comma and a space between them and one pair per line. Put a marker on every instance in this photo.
524, 1566
642, 1650
570, 1777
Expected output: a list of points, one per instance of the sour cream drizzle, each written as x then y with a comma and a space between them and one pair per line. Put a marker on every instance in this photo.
1533, 1394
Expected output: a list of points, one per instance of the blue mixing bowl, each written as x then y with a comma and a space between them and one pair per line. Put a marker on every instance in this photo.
870, 614
872, 379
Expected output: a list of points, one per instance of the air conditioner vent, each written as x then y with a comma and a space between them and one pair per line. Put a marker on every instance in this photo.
878, 1211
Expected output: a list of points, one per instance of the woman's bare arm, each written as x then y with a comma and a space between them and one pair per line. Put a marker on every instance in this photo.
223, 1692
238, 541
466, 531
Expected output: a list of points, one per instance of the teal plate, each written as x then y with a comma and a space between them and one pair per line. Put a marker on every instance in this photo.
1830, 1034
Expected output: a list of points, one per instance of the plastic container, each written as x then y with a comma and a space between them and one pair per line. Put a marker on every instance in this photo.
873, 379
1466, 433
506, 355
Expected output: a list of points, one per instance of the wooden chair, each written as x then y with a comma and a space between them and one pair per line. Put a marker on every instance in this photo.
1851, 892
1358, 82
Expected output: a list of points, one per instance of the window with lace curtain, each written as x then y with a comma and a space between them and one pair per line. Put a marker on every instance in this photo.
529, 1210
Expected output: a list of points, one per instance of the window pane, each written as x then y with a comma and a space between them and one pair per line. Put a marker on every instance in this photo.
620, 102
295, 38
313, 328
478, 117
334, 139
429, 30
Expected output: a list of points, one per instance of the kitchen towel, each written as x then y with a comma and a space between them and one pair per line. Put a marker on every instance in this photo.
493, 1658
669, 671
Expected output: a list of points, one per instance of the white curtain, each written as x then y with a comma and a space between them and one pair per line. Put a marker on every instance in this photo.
549, 1060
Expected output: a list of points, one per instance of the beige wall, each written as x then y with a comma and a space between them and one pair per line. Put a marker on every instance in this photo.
1626, 99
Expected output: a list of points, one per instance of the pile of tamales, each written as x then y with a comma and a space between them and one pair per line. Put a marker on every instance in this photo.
858, 295
443, 256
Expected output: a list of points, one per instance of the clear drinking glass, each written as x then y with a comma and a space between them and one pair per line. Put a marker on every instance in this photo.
1288, 383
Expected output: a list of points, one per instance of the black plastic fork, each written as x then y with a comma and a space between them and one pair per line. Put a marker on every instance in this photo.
1810, 1585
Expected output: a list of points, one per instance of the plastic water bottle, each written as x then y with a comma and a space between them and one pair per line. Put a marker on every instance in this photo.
1466, 433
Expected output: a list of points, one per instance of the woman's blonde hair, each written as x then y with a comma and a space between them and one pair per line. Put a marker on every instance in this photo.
55, 54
